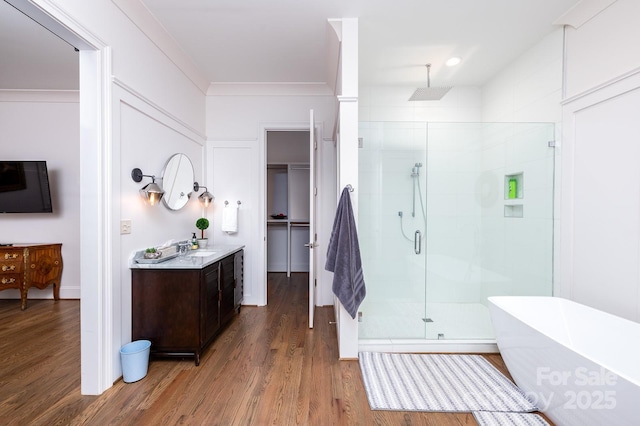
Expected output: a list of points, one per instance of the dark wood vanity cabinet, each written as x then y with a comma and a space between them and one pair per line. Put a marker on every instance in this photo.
182, 310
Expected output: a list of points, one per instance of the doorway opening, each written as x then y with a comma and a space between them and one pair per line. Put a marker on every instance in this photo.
96, 363
287, 204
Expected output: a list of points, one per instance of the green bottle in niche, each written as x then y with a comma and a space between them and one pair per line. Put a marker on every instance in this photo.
513, 188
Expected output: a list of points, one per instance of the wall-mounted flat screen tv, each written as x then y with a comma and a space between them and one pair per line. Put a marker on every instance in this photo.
24, 187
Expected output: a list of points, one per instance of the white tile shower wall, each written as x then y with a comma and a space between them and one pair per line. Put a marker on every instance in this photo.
528, 90
518, 252
390, 104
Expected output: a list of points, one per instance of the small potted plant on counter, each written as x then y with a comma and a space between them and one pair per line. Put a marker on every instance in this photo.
202, 224
152, 253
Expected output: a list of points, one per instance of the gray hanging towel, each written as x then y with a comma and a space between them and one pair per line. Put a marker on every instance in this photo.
343, 257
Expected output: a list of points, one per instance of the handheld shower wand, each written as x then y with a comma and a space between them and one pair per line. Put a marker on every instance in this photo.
417, 239
415, 173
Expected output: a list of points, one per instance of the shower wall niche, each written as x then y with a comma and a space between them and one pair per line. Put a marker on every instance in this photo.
513, 195
470, 247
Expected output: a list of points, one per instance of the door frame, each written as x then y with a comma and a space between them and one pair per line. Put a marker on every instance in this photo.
96, 210
262, 203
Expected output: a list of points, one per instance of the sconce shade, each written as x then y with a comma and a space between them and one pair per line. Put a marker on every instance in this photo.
151, 193
205, 198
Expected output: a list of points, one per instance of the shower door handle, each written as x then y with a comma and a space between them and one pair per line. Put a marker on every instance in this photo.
417, 242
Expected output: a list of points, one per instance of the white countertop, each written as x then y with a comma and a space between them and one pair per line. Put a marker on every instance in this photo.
194, 259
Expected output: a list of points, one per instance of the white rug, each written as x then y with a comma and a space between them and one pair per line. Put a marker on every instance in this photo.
488, 418
438, 383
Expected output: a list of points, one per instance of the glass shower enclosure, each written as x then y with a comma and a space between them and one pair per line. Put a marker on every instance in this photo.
450, 214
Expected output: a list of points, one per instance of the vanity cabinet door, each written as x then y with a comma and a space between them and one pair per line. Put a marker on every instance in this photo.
227, 285
165, 306
210, 302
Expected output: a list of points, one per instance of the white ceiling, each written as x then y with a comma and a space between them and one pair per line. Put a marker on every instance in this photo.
236, 41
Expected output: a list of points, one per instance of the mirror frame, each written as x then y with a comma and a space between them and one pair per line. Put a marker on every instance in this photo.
177, 181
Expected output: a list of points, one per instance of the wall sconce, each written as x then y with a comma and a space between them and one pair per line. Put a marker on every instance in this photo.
151, 193
205, 198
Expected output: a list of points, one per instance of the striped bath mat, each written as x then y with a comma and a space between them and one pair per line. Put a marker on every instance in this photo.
488, 418
439, 383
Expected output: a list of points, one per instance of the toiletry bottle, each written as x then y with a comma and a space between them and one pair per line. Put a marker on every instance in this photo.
513, 188
194, 242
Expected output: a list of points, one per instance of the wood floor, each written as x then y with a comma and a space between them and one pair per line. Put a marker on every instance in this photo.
266, 368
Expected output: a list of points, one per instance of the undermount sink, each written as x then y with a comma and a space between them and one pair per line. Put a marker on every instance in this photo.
202, 253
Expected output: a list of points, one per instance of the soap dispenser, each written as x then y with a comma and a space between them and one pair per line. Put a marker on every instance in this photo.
194, 242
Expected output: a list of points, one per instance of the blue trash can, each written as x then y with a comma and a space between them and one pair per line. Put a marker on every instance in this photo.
135, 360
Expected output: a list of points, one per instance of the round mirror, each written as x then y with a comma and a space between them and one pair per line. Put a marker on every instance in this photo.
177, 181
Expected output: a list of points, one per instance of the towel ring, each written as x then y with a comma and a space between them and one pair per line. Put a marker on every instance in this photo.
349, 187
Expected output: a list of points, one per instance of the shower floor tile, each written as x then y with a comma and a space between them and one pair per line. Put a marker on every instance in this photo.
406, 321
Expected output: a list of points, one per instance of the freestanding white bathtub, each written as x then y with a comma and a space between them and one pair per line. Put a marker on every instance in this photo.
580, 366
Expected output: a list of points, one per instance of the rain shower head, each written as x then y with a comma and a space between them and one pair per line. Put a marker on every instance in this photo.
429, 93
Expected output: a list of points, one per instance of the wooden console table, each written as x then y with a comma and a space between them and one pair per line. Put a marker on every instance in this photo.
23, 266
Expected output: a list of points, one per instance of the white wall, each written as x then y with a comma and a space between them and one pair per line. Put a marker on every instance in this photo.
603, 48
288, 147
45, 126
235, 129
600, 225
530, 88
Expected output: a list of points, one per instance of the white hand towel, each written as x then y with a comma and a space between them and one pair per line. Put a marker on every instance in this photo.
230, 219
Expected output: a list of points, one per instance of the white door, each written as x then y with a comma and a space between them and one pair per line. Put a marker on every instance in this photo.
312, 217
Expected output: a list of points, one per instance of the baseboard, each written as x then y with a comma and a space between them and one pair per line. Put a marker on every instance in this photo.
36, 293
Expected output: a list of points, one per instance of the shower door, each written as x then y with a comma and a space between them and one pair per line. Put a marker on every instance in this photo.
392, 229
454, 307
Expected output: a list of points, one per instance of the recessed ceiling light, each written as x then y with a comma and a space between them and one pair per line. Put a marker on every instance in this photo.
451, 62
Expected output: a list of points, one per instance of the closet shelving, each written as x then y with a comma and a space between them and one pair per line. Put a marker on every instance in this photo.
288, 194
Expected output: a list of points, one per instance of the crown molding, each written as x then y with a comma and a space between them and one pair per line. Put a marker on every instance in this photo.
583, 12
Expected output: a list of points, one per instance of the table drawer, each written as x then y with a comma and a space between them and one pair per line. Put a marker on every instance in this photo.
10, 280
15, 256
9, 267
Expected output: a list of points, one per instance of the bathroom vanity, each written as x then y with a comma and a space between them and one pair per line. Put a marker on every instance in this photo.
183, 303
